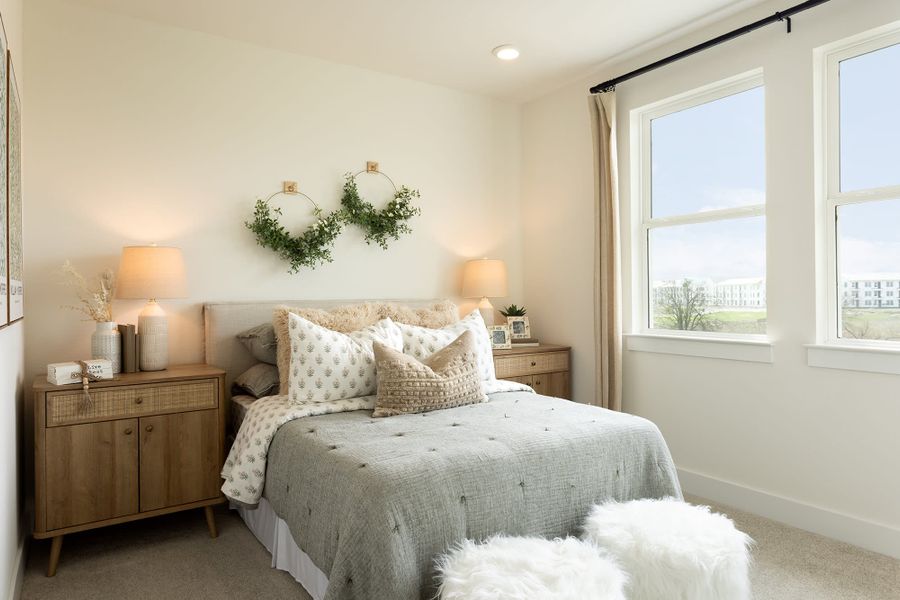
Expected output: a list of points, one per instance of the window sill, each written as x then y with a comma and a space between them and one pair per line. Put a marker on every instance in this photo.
854, 358
704, 347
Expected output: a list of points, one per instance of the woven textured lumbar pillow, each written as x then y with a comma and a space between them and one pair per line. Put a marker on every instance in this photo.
447, 378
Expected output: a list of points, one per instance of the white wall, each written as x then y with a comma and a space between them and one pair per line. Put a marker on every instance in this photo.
140, 132
820, 438
12, 374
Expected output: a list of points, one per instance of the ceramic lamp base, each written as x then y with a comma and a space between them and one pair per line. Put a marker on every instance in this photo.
153, 328
487, 311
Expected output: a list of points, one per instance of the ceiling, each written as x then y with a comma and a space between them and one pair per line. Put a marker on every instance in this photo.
446, 42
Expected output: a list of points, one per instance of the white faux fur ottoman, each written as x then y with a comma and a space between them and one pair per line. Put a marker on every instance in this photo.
525, 568
672, 550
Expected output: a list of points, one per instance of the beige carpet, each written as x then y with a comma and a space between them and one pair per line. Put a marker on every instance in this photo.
173, 557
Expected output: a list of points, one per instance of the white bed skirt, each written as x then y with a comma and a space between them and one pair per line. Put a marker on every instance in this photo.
273, 532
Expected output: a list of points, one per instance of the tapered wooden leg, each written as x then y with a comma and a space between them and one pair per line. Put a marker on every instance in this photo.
55, 547
211, 521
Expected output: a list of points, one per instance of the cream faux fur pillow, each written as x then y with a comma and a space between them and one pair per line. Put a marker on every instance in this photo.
353, 317
447, 378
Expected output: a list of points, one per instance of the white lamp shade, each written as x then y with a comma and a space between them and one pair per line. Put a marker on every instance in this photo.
484, 278
151, 272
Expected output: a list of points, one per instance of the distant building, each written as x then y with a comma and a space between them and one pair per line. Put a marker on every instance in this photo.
872, 290
739, 293
749, 293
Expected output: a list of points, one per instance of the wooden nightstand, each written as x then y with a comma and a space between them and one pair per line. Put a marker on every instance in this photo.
544, 367
147, 444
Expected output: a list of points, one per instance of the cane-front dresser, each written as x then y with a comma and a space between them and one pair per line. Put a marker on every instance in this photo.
544, 367
143, 444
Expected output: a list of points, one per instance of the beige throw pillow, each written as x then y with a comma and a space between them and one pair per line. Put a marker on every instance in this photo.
447, 378
353, 317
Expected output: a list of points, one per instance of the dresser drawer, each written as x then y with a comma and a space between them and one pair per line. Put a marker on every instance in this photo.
528, 364
66, 408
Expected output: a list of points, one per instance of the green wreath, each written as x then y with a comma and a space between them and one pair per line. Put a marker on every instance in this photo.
309, 249
313, 247
379, 225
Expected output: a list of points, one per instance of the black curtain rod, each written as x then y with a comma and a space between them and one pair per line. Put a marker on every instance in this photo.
784, 15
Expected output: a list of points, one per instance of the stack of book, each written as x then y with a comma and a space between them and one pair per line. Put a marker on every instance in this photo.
131, 349
525, 342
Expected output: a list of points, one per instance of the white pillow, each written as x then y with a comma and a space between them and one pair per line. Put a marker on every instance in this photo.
327, 365
422, 342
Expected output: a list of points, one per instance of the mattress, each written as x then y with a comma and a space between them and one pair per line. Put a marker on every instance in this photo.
373, 502
239, 406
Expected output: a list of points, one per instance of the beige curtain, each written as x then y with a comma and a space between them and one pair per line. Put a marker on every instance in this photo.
607, 288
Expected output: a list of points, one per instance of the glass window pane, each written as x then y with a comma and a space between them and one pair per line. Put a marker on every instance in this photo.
709, 276
870, 121
710, 156
869, 270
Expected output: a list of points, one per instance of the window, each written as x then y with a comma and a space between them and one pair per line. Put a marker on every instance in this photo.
862, 186
702, 223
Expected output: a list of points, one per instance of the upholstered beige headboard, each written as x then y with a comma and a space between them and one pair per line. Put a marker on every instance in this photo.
223, 320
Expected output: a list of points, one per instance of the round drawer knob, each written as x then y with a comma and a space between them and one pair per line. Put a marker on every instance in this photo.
138, 400
149, 428
533, 363
128, 431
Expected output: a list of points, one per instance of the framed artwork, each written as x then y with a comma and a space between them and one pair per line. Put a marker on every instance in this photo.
500, 338
4, 197
15, 253
519, 327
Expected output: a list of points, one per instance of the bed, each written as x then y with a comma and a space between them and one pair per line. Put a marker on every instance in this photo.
358, 507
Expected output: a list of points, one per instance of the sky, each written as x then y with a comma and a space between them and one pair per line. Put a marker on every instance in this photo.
713, 156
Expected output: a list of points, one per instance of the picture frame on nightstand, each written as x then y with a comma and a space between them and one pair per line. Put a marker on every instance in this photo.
519, 327
500, 337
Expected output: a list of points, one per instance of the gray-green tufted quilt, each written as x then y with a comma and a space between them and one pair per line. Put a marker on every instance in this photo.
374, 501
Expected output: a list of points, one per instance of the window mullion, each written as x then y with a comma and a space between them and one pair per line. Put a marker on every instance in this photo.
758, 210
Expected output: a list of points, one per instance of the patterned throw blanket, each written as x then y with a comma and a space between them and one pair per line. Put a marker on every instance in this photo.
245, 469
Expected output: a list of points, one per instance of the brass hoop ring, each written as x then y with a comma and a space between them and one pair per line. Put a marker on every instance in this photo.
385, 175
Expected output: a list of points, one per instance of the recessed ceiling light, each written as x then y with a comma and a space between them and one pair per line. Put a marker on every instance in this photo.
506, 52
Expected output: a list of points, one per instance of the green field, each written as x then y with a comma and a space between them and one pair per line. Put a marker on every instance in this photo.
871, 323
725, 321
862, 324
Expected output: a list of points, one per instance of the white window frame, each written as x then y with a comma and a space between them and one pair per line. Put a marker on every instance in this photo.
831, 350
752, 347
834, 198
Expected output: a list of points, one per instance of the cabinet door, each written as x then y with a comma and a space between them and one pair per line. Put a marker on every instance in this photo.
552, 384
179, 458
91, 472
526, 379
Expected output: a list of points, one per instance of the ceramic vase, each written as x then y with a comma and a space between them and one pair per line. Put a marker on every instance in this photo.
106, 343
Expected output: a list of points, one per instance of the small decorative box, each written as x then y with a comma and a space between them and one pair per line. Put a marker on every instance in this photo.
70, 372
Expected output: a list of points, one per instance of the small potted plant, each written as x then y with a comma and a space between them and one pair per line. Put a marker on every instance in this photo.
519, 327
513, 311
96, 303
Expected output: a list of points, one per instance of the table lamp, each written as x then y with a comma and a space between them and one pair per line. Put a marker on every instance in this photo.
485, 278
151, 273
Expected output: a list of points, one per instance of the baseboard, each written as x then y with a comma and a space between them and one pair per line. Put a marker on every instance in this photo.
18, 573
853, 530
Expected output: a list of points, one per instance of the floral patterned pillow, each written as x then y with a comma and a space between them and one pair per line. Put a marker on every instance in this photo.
422, 342
327, 365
